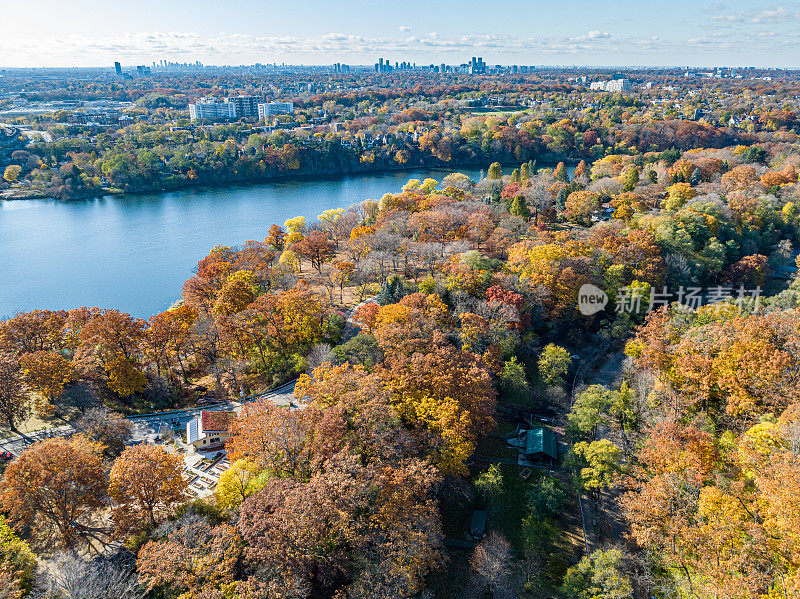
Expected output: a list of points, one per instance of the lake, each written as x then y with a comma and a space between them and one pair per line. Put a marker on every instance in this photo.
133, 252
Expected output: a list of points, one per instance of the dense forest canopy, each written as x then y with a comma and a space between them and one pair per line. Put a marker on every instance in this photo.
427, 331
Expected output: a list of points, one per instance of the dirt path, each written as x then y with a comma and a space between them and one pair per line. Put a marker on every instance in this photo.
605, 521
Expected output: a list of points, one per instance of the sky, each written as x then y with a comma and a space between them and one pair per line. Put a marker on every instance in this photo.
83, 33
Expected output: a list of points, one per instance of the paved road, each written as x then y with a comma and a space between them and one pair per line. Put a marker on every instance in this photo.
16, 443
147, 427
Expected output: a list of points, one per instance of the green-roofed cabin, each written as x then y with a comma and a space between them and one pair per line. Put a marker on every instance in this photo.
541, 442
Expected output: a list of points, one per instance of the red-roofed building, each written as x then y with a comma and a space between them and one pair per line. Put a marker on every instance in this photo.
209, 430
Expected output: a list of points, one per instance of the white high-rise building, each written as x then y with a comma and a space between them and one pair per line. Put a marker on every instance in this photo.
613, 86
212, 109
273, 108
618, 85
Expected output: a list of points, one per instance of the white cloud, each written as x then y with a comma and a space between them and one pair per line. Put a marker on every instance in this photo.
777, 14
143, 47
404, 28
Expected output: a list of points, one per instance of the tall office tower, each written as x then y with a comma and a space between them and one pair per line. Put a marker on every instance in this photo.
118, 69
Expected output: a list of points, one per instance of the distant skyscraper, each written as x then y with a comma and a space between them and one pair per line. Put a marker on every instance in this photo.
118, 69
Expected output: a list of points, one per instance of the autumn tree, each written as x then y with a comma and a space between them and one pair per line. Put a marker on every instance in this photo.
169, 338
115, 338
366, 315
314, 247
383, 519
295, 228
677, 195
751, 271
283, 442
237, 483
12, 172
56, 482
598, 576
286, 322
46, 372
444, 389
38, 330
580, 205
597, 462
13, 400
17, 563
553, 364
276, 237
194, 560
145, 482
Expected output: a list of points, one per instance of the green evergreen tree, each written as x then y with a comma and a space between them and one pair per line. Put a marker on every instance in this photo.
515, 178
392, 291
524, 172
561, 173
631, 179
561, 199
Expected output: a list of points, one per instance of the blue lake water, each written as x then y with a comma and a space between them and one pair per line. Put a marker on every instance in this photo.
133, 252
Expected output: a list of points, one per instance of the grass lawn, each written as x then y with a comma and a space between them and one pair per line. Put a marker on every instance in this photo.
558, 537
492, 448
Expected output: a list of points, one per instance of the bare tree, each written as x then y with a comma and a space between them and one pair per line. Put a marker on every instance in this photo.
491, 562
72, 577
320, 354
108, 428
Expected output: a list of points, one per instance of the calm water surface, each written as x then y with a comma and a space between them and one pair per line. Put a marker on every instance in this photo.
134, 252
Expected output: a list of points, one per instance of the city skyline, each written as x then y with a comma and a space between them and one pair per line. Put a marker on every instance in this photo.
246, 32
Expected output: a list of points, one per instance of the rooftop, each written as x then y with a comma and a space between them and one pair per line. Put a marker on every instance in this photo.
216, 421
541, 440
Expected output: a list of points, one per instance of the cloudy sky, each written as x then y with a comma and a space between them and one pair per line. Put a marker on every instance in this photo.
623, 32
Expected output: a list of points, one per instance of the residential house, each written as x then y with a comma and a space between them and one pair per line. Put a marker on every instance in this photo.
209, 430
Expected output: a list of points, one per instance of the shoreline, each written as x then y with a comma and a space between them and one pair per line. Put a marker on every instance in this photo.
550, 162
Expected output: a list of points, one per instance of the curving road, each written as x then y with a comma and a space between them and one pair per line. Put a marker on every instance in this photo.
147, 426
